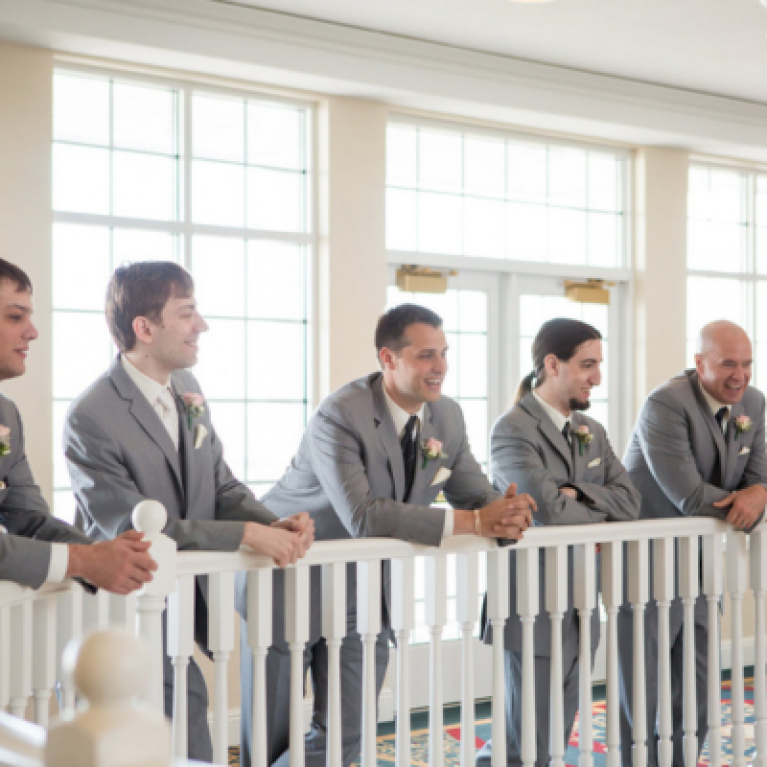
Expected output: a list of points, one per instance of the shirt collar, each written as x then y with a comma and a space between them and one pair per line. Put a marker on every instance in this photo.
400, 416
713, 403
559, 419
146, 385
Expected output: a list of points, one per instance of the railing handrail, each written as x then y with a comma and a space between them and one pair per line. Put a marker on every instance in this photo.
12, 594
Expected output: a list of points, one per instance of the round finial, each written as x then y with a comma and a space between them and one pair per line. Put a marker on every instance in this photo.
149, 517
108, 667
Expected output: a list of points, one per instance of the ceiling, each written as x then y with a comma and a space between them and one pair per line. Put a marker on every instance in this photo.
711, 46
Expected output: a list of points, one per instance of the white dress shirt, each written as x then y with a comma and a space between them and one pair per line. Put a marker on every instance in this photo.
559, 419
159, 396
716, 406
400, 418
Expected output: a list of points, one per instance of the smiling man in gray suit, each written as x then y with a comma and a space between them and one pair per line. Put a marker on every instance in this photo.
697, 450
364, 469
563, 459
36, 548
143, 430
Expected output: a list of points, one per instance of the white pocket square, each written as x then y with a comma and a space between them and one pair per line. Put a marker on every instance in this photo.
441, 476
199, 435
594, 463
744, 451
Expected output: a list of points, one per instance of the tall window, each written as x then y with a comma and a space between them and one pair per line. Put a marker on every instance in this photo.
727, 255
219, 182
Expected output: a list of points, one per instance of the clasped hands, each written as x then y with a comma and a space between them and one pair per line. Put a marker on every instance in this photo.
508, 517
285, 541
746, 506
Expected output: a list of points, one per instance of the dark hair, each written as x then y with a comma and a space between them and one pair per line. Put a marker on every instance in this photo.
19, 277
142, 290
391, 327
560, 337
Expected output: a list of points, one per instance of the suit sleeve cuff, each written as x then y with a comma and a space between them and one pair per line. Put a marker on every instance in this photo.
449, 523
57, 568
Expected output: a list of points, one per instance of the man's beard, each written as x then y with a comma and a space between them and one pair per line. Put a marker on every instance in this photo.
576, 404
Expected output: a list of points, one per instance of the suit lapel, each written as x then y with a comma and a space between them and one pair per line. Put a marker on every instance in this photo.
547, 428
579, 461
733, 445
713, 426
424, 476
186, 448
385, 430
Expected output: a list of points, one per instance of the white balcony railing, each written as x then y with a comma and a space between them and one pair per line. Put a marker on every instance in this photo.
35, 626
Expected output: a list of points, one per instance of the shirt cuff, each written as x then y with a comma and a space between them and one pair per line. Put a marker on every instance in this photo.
57, 569
449, 523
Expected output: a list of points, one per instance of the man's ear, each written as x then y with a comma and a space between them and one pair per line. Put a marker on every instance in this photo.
699, 363
143, 329
386, 358
551, 365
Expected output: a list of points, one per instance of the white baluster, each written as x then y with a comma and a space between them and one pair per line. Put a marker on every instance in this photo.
5, 657
150, 517
96, 611
259, 640
557, 579
467, 610
758, 554
297, 634
528, 572
435, 590
689, 577
737, 558
69, 625
180, 629
369, 626
122, 611
712, 588
638, 575
585, 601
612, 597
663, 589
43, 655
334, 630
221, 644
403, 622
21, 658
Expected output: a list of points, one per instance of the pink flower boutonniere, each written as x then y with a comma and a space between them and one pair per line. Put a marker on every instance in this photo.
584, 437
742, 424
194, 404
432, 450
5, 440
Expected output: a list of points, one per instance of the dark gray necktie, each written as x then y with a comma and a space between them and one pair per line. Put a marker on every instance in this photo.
720, 414
407, 443
566, 433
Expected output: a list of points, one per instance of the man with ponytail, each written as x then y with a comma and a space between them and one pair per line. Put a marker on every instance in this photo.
549, 449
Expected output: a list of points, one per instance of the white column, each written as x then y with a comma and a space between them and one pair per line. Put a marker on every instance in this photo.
435, 590
296, 635
221, 644
758, 562
713, 577
21, 658
497, 612
96, 611
527, 583
689, 576
638, 575
334, 630
663, 588
585, 602
180, 628
737, 560
369, 626
259, 640
43, 655
5, 657
122, 611
69, 625
403, 622
612, 597
556, 604
467, 611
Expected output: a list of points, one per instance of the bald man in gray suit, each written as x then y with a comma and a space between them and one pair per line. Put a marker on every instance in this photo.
373, 459
697, 450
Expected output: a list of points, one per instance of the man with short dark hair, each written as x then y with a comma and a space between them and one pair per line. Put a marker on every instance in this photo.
39, 548
374, 457
143, 430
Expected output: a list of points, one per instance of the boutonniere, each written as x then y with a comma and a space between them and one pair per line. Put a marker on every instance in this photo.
193, 403
5, 440
742, 424
584, 437
432, 450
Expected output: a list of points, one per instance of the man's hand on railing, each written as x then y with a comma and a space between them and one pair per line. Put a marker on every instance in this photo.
284, 547
508, 517
300, 523
746, 506
121, 566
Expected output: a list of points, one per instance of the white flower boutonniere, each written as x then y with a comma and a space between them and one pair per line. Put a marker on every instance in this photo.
584, 437
5, 440
742, 424
194, 404
432, 450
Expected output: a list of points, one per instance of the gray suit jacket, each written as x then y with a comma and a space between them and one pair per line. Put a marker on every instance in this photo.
679, 459
119, 453
25, 553
527, 448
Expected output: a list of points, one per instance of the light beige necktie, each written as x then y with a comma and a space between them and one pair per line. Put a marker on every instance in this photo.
168, 416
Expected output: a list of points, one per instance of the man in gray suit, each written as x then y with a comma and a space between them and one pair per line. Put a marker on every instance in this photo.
563, 459
697, 450
143, 430
37, 548
363, 469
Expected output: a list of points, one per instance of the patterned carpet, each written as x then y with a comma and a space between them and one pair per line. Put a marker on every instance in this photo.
452, 737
